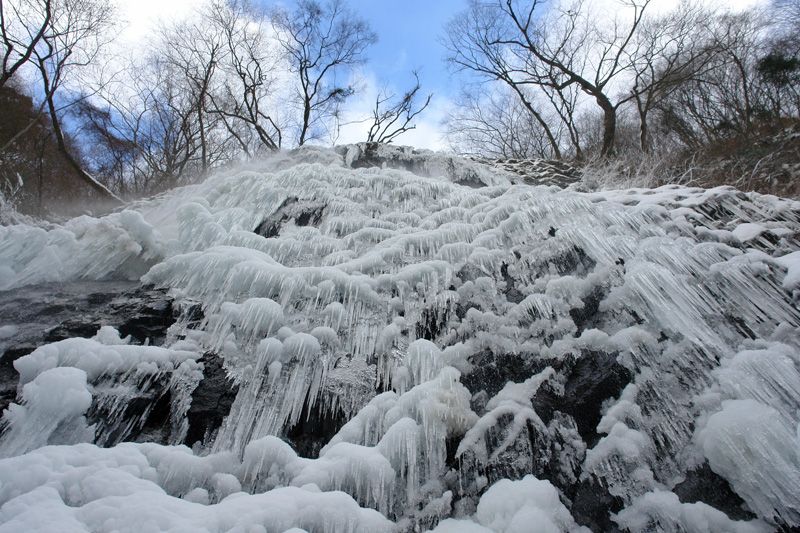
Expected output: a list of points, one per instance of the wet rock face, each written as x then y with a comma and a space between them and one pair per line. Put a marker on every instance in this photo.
366, 155
541, 171
53, 312
8, 375
144, 314
301, 213
570, 411
491, 371
420, 162
211, 400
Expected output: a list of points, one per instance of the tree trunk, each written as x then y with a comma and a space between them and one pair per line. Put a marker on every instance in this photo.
609, 124
536, 115
550, 138
203, 150
644, 134
62, 147
306, 118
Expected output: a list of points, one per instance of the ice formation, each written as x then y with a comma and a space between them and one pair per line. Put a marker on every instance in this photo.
404, 352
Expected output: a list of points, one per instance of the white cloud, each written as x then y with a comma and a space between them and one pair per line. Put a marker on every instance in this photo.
141, 17
736, 5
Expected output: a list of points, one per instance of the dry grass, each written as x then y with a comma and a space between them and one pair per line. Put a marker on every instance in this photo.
766, 161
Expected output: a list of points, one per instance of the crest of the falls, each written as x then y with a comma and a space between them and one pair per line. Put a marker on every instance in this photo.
404, 351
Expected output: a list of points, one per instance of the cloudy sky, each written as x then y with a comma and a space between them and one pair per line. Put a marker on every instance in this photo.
408, 32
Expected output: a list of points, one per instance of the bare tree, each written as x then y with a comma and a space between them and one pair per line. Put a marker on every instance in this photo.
144, 127
726, 97
575, 38
516, 43
74, 37
779, 69
195, 51
23, 23
318, 39
393, 119
474, 40
495, 125
249, 82
564, 102
200, 99
668, 51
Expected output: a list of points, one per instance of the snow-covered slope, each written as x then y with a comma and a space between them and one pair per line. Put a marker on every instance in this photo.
383, 350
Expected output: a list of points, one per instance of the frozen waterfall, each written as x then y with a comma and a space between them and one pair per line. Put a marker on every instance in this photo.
399, 352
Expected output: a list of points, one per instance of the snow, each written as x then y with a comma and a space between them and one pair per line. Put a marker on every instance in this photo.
9, 330
514, 506
393, 313
104, 354
85, 488
666, 510
748, 231
122, 245
51, 412
766, 477
791, 262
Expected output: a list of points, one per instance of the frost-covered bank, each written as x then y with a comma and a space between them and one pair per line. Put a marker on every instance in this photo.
406, 352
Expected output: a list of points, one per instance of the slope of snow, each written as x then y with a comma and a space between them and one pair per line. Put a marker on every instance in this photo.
485, 353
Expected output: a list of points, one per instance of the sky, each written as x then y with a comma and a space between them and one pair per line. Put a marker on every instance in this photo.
408, 39
409, 31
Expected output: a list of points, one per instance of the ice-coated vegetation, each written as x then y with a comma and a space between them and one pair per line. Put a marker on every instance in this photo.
407, 353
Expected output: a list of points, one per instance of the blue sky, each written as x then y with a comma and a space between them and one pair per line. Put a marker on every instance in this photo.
408, 33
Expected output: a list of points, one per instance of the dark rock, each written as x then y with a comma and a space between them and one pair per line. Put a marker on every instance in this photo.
573, 260
541, 171
591, 379
52, 312
72, 328
491, 371
211, 400
584, 317
420, 162
469, 272
148, 318
513, 294
369, 155
302, 212
314, 429
8, 374
704, 485
144, 313
141, 413
592, 506
432, 321
528, 453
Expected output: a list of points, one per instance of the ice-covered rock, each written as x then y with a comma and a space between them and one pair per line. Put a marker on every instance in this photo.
387, 338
